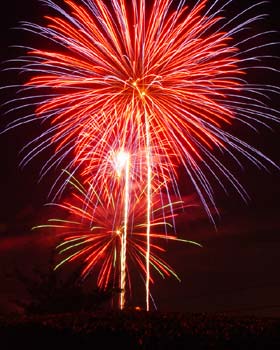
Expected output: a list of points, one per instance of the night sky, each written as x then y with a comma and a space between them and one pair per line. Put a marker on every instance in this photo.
238, 267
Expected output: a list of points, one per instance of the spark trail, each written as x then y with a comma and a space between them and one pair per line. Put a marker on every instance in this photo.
123, 162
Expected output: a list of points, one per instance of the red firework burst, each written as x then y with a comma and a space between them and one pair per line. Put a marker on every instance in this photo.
117, 68
92, 234
134, 92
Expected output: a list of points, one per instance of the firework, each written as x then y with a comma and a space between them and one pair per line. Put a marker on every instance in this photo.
97, 236
159, 82
173, 75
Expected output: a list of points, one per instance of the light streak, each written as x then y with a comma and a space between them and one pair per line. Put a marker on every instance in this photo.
123, 162
149, 204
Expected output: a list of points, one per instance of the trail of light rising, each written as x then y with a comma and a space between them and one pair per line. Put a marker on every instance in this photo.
123, 162
149, 206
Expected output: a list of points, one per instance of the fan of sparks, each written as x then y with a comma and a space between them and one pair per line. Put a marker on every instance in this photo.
131, 90
96, 234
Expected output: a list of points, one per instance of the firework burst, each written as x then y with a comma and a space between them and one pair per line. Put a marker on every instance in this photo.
164, 69
142, 89
97, 237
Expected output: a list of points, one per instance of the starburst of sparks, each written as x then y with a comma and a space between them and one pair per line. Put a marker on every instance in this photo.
132, 90
98, 235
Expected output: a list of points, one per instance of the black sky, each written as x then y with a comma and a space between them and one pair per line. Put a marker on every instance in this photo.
238, 268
